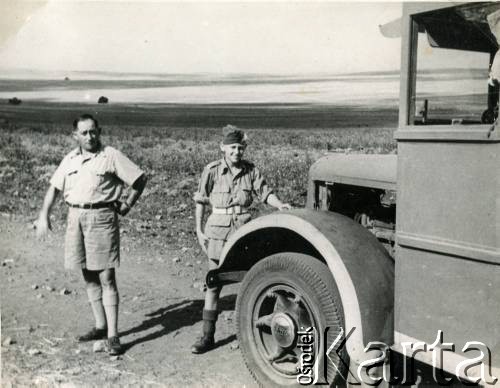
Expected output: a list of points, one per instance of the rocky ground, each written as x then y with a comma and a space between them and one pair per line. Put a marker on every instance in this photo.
43, 308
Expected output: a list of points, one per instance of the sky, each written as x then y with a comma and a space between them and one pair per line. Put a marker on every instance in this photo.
197, 37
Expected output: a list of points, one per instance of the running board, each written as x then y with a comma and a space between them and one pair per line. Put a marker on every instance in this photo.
214, 278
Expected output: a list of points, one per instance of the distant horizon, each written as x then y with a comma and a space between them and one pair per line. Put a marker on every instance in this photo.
205, 88
24, 73
63, 73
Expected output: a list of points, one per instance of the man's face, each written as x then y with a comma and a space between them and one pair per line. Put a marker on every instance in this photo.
233, 152
87, 135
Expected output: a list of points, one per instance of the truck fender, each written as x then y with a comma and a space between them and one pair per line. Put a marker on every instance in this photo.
361, 267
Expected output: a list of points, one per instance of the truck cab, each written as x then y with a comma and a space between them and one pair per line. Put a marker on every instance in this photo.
401, 250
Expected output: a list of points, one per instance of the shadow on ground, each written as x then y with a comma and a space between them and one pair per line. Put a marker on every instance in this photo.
175, 317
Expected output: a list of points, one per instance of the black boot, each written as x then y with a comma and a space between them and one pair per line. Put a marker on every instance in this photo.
206, 342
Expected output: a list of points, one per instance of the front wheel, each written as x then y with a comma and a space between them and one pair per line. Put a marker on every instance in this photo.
288, 312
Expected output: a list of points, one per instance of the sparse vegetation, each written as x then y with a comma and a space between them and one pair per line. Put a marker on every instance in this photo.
173, 158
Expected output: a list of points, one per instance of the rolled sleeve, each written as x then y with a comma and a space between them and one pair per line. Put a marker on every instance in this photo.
202, 195
59, 176
260, 187
125, 169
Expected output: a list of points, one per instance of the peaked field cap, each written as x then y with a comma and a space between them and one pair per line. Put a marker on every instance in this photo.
232, 134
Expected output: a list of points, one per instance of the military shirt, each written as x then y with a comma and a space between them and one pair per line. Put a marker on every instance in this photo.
94, 177
221, 189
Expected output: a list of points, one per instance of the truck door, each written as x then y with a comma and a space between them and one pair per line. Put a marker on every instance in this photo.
448, 185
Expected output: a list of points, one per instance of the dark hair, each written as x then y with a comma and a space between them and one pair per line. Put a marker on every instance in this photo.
85, 117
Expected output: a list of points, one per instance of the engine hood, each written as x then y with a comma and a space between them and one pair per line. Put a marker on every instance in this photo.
378, 171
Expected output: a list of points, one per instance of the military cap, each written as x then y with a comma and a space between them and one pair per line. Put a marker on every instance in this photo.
232, 134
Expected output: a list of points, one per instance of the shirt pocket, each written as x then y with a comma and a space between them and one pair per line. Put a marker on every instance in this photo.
221, 188
244, 194
98, 177
220, 195
70, 179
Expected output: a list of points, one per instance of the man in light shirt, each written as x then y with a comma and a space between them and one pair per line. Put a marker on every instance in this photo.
91, 178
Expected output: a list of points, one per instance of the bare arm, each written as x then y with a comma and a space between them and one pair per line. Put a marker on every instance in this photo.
265, 193
274, 201
42, 224
199, 213
135, 192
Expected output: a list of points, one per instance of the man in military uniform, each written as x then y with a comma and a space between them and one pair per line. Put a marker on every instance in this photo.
91, 178
228, 185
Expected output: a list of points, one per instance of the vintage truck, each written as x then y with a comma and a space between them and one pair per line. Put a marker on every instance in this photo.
399, 249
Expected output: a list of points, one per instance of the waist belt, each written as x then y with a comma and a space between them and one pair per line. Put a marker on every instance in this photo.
230, 210
98, 205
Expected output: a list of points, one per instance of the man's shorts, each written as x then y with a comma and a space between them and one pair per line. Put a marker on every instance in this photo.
218, 229
92, 239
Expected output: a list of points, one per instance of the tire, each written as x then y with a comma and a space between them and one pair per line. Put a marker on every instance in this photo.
281, 294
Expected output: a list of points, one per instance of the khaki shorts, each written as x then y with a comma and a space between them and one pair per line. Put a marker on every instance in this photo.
218, 229
214, 249
92, 239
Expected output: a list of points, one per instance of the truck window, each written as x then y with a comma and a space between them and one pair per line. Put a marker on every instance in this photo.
455, 50
451, 86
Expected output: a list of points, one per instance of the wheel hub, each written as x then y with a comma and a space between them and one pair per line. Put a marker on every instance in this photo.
283, 329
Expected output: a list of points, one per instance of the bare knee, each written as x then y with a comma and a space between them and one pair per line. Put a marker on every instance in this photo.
107, 278
212, 298
109, 290
93, 285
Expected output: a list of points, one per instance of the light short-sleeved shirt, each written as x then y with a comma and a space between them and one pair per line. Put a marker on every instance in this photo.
221, 189
94, 177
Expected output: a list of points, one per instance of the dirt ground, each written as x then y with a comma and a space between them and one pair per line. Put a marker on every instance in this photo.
43, 308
